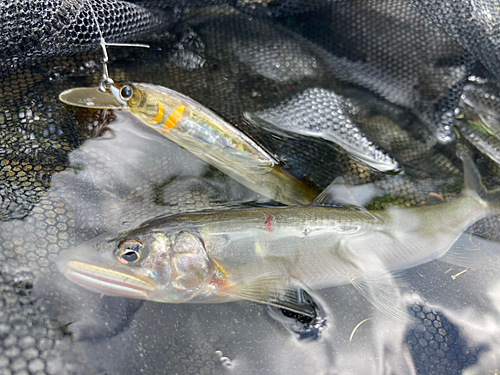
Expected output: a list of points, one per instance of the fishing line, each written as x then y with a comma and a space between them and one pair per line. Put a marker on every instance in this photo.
106, 80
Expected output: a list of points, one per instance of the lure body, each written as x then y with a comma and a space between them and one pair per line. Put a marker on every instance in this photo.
202, 132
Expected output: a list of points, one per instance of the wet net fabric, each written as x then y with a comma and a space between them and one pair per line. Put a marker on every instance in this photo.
32, 31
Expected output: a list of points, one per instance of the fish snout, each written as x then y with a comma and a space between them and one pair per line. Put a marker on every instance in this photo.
105, 280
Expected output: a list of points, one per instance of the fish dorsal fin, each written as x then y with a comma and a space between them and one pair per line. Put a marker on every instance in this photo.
338, 194
275, 290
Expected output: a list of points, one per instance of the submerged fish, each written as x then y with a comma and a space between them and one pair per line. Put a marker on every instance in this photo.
264, 254
202, 132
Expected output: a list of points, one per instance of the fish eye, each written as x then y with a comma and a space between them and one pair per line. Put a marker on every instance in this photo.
129, 251
126, 92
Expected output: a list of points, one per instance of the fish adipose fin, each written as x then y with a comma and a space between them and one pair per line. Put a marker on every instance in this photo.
274, 290
383, 292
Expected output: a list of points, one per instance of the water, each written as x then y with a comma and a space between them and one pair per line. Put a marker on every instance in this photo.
67, 177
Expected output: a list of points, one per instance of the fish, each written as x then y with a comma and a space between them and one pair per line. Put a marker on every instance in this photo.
202, 132
267, 254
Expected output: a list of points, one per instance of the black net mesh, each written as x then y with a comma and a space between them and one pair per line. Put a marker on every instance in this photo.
32, 31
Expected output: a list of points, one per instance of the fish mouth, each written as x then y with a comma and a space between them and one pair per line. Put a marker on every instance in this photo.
108, 282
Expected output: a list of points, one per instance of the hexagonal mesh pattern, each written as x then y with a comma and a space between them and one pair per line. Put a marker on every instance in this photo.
31, 31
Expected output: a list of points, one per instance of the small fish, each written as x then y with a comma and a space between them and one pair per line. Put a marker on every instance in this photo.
202, 132
265, 254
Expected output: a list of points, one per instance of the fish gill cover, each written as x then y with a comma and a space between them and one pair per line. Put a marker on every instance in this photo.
402, 72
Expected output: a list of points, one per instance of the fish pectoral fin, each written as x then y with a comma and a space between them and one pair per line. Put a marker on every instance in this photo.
383, 292
275, 290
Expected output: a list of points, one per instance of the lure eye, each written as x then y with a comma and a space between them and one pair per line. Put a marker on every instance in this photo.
126, 92
129, 251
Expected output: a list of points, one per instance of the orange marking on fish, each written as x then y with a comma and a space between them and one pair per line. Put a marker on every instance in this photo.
159, 115
269, 223
172, 120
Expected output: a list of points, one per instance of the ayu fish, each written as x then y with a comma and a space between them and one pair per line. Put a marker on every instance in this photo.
202, 132
263, 254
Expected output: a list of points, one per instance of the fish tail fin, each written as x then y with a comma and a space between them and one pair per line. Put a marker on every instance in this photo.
473, 182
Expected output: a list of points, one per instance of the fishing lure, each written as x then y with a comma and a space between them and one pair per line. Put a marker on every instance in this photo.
200, 131
195, 128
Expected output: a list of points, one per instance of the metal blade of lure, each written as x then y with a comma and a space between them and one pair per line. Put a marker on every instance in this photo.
90, 97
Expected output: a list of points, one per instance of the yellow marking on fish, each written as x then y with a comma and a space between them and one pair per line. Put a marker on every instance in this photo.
356, 328
172, 120
159, 115
458, 274
449, 270
222, 273
258, 250
220, 278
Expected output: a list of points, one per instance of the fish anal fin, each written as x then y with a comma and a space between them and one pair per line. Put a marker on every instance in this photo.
275, 290
383, 292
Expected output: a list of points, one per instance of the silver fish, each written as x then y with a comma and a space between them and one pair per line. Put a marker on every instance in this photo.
264, 254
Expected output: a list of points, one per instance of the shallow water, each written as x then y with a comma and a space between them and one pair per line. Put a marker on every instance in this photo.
115, 172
